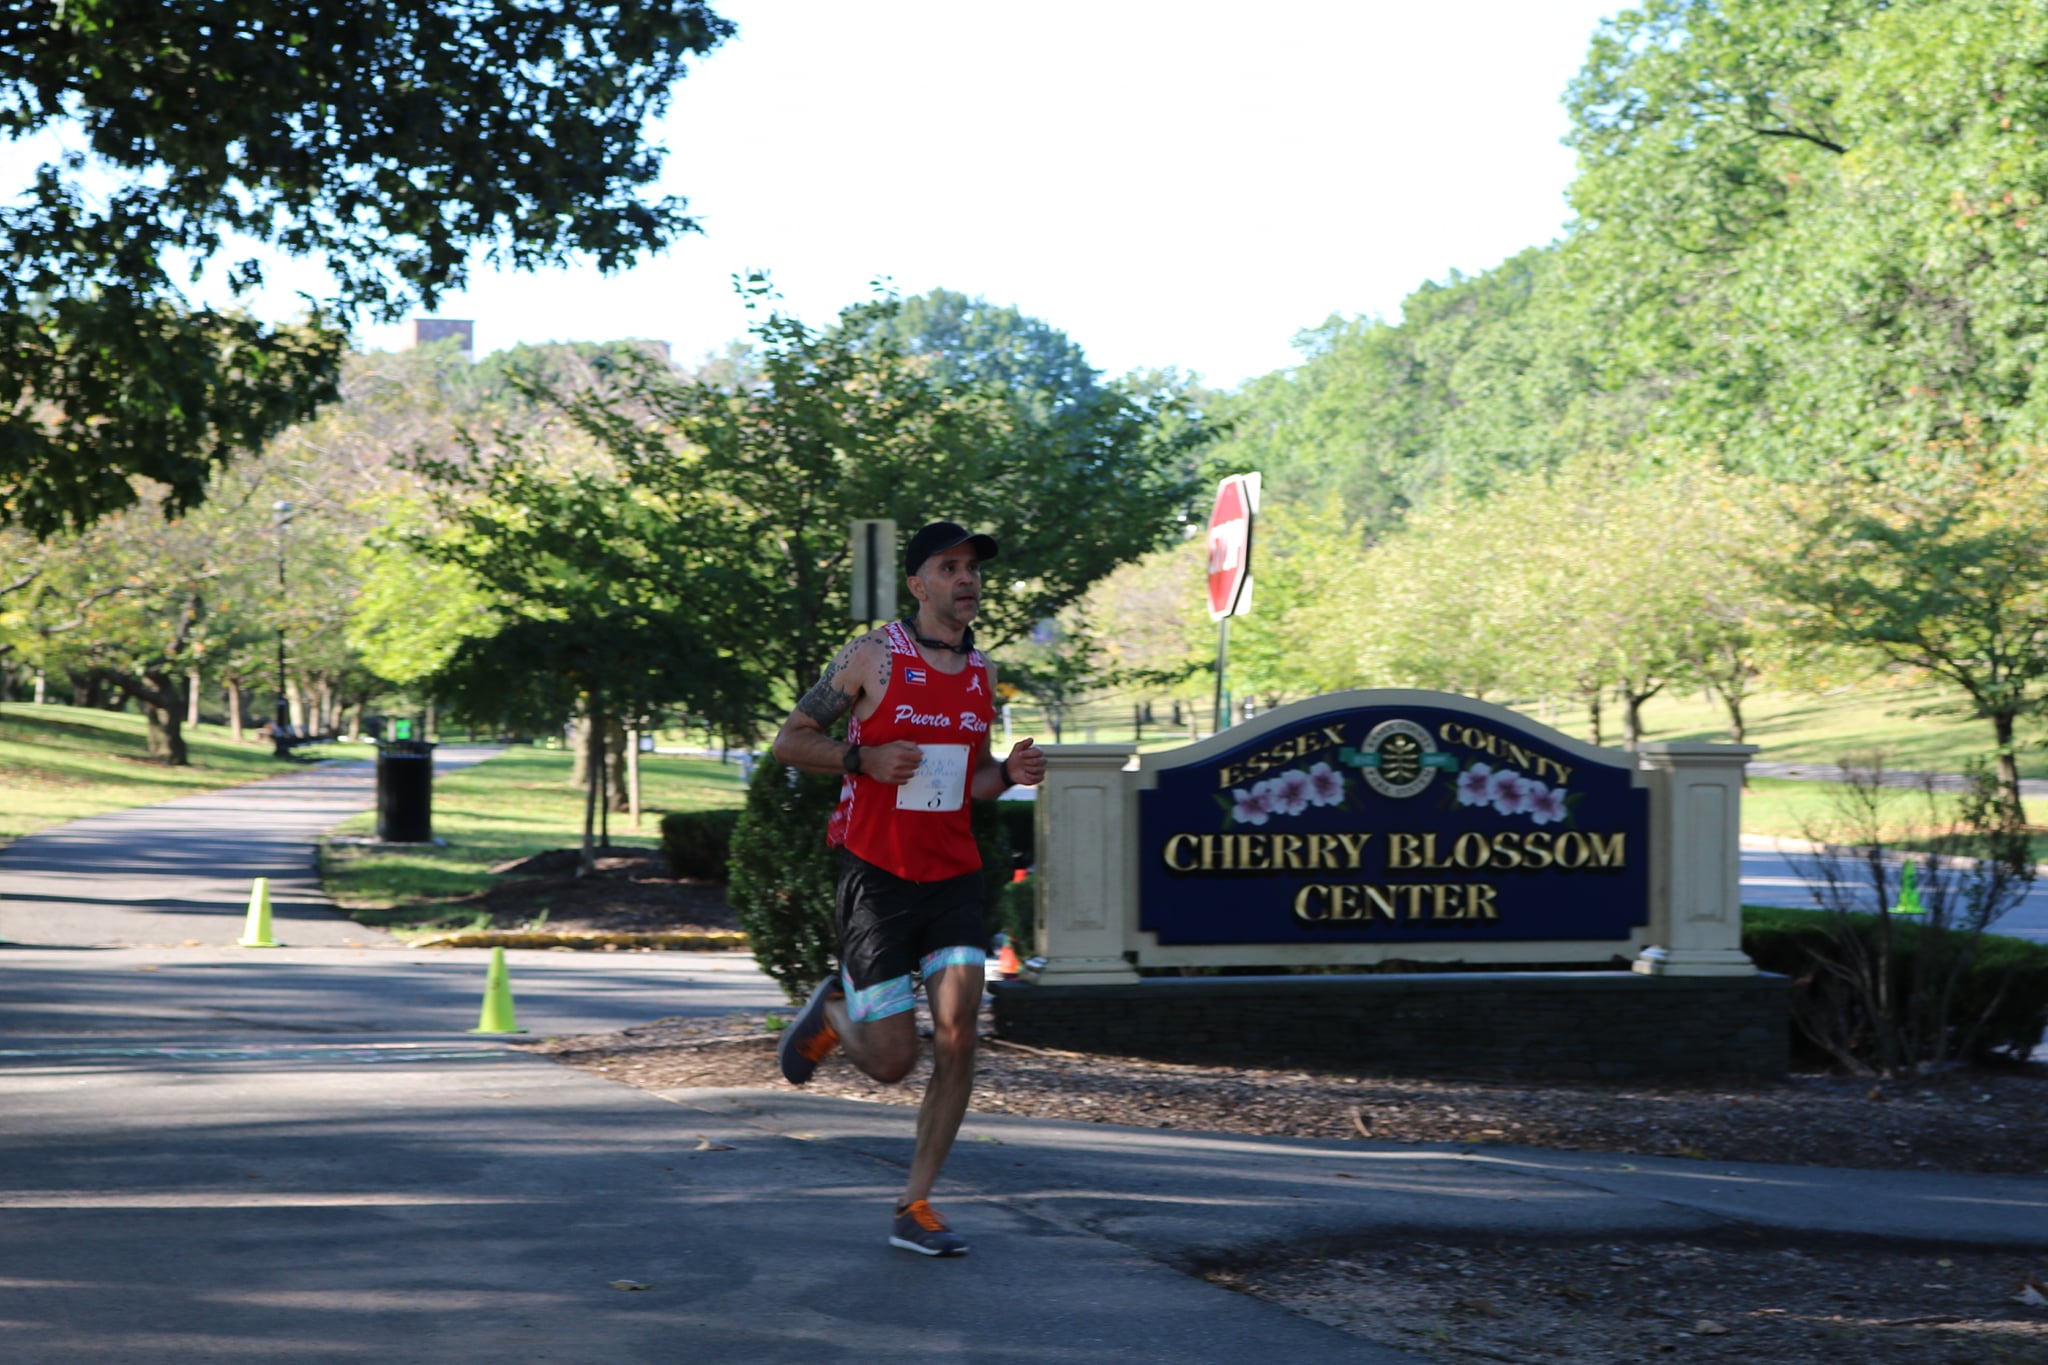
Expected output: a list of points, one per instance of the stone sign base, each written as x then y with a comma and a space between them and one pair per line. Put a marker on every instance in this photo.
1573, 1025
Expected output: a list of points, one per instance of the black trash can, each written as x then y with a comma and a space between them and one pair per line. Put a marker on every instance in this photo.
405, 791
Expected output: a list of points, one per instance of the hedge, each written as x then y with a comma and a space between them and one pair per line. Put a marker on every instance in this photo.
1788, 941
698, 843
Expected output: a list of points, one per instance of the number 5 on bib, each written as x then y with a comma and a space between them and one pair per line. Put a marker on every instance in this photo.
940, 782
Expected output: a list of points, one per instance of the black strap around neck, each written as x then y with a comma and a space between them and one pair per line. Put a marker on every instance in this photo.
966, 645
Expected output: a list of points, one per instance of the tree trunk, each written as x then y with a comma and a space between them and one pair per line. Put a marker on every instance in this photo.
166, 733
593, 769
2008, 759
192, 697
235, 704
579, 748
616, 739
1633, 696
633, 775
1593, 702
157, 696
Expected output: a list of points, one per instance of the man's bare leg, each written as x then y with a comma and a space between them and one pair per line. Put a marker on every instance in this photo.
885, 1049
955, 997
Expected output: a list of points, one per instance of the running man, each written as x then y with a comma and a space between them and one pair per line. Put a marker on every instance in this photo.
910, 885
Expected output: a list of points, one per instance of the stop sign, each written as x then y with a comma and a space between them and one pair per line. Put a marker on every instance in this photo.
1230, 544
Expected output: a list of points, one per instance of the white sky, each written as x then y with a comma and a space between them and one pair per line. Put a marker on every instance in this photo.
1171, 182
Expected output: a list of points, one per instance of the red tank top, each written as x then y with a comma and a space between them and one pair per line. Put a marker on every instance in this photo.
921, 831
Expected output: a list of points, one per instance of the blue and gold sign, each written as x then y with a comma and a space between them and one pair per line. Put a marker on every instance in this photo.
1429, 819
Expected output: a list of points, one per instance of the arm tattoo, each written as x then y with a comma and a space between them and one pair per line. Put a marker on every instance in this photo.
825, 702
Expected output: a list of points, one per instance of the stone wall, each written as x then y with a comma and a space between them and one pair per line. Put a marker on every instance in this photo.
1578, 1025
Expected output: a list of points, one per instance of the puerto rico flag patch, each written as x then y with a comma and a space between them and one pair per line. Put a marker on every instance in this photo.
914, 675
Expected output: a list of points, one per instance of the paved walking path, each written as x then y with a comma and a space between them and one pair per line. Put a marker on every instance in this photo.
179, 872
211, 1154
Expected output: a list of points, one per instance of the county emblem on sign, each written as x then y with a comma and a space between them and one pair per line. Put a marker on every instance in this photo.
1433, 819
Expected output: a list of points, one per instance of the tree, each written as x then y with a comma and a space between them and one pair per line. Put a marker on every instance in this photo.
601, 592
1943, 568
841, 424
1818, 224
972, 341
126, 605
393, 143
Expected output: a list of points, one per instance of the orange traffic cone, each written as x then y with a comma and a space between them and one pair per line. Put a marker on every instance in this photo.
1007, 964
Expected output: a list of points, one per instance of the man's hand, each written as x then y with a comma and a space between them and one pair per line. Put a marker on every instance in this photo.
896, 762
1026, 764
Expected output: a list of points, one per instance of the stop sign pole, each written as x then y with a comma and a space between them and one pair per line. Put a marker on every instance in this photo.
1230, 571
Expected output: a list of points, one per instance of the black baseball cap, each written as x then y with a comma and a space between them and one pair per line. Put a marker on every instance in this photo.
944, 535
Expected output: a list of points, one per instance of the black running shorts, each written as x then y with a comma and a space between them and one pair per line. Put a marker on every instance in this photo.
890, 928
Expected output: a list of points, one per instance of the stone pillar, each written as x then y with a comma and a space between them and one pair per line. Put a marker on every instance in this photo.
1696, 860
1087, 874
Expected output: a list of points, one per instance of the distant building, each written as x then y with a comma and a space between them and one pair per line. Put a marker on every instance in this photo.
459, 330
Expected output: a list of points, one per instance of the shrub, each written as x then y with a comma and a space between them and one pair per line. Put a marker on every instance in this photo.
1017, 916
784, 876
698, 843
1999, 1002
1020, 821
998, 865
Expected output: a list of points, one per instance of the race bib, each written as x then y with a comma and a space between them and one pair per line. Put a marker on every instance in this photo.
940, 782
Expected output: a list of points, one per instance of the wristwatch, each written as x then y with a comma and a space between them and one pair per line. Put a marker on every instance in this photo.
851, 761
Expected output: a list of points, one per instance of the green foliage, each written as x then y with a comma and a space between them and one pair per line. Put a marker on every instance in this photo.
842, 423
1944, 568
998, 860
2001, 995
783, 876
394, 143
971, 341
1017, 916
1817, 223
698, 843
1020, 826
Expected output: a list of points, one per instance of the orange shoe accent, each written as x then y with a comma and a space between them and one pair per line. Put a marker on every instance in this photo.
926, 1219
819, 1045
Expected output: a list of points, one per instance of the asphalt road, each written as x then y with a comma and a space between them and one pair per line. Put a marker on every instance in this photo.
1771, 877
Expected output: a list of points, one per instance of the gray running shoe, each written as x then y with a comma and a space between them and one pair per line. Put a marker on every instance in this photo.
920, 1230
810, 1037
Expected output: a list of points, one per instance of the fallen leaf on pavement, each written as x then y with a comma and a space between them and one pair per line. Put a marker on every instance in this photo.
631, 1284
705, 1144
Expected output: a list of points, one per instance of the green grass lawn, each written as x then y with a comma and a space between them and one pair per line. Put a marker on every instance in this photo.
1804, 728
1787, 727
1801, 810
59, 763
515, 805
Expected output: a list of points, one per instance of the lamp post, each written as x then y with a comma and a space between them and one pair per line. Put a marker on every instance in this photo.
281, 721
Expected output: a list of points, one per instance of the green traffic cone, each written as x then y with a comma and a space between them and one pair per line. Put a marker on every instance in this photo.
1909, 892
256, 933
497, 1012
